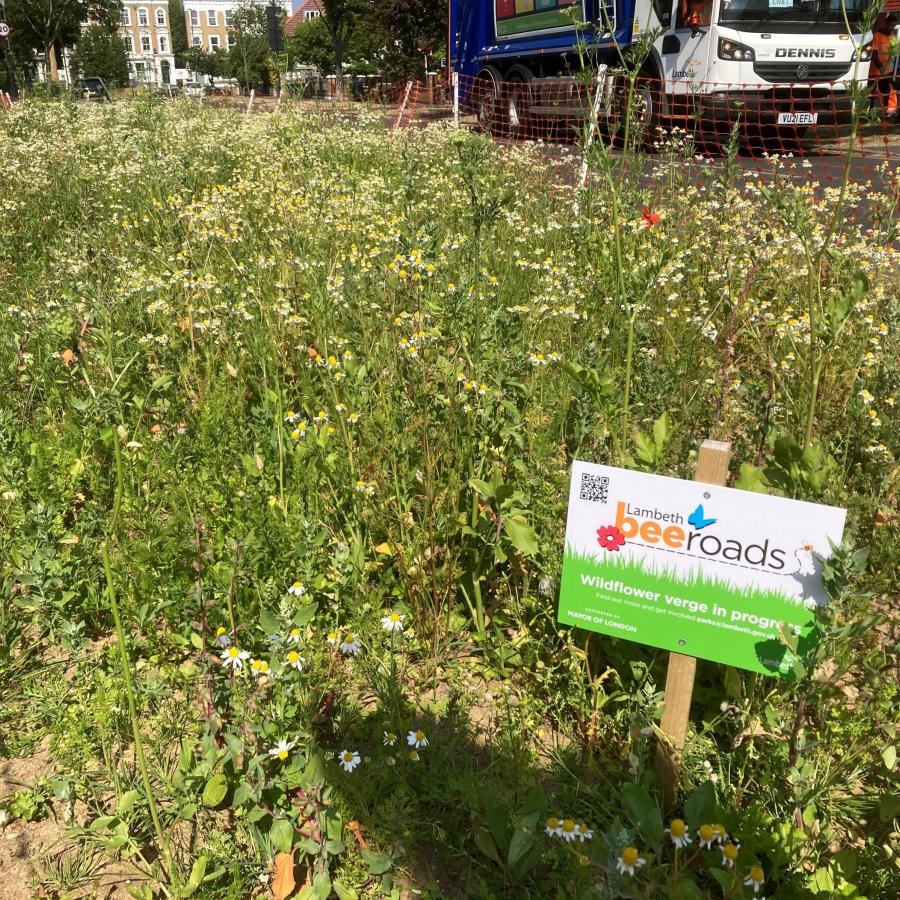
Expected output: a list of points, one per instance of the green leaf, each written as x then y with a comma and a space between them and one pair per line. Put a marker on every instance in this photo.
889, 808
725, 879
700, 808
644, 813
486, 845
281, 835
243, 792
335, 847
215, 790
521, 535
733, 686
126, 802
522, 841
198, 873
234, 743
687, 890
344, 893
322, 886
661, 432
377, 863
889, 757
314, 773
751, 479
646, 449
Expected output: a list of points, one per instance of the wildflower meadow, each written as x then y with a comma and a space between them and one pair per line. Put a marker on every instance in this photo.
289, 408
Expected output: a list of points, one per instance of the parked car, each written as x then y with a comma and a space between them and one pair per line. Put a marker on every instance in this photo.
93, 88
194, 90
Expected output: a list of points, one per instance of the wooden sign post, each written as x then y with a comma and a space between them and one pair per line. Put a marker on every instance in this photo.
712, 468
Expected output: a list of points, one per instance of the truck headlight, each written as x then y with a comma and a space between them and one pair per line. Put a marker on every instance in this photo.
865, 52
735, 51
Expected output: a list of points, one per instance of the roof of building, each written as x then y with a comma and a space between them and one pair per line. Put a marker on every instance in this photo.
299, 15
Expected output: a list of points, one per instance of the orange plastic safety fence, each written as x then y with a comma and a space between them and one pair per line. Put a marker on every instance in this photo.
813, 118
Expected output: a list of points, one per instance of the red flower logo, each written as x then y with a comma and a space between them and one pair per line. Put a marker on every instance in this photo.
610, 538
649, 218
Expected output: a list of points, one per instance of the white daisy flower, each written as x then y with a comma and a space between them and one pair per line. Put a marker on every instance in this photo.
281, 750
755, 879
349, 759
568, 830
393, 622
553, 827
417, 739
584, 833
629, 860
259, 667
351, 645
720, 834
389, 739
332, 637
295, 660
409, 634
297, 589
294, 636
707, 835
679, 833
413, 755
729, 855
234, 659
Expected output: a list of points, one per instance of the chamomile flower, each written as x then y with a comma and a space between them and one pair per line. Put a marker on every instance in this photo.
297, 589
223, 638
233, 658
281, 750
553, 827
568, 830
333, 637
320, 417
409, 634
349, 759
417, 739
294, 636
719, 833
259, 667
295, 660
707, 836
299, 432
290, 417
389, 739
584, 833
393, 621
351, 645
629, 860
729, 855
755, 879
413, 755
678, 831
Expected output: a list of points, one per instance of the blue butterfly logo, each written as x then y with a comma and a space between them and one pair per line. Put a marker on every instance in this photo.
697, 519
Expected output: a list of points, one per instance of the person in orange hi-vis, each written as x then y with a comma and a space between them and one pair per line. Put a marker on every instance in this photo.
881, 68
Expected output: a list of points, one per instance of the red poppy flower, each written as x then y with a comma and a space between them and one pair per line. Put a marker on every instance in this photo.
609, 537
649, 218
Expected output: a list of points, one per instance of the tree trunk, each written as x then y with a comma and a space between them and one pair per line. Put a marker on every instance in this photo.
50, 52
338, 69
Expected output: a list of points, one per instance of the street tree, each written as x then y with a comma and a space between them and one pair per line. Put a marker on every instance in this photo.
102, 53
48, 25
410, 30
250, 51
342, 17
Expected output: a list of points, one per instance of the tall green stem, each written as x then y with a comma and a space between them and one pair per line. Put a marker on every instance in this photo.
126, 667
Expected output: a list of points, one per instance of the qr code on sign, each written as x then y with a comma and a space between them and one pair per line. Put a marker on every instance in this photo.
594, 487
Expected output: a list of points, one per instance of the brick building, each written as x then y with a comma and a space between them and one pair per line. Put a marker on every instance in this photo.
147, 32
208, 22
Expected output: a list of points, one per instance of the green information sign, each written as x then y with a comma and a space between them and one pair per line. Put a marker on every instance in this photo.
694, 568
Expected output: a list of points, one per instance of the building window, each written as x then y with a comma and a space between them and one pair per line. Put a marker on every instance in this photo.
211, 17
160, 17
213, 43
129, 42
143, 18
163, 43
231, 41
195, 18
311, 14
145, 43
126, 17
195, 40
229, 17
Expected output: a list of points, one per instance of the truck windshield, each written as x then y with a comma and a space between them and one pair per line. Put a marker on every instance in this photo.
798, 16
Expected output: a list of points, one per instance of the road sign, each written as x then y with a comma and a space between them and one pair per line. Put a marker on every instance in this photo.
697, 569
4, 30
